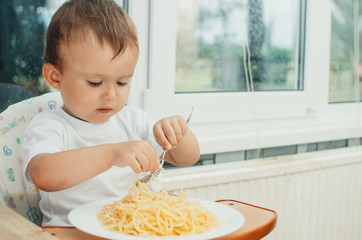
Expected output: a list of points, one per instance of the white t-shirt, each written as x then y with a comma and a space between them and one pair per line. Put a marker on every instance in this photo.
55, 131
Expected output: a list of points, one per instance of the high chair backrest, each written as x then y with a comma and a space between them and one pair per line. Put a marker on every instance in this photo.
15, 191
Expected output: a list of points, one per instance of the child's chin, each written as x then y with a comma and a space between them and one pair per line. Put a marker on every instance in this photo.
99, 120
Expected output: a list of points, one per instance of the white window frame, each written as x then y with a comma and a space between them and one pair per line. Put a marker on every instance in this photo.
225, 122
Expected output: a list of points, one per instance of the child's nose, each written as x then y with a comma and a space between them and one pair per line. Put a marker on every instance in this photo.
110, 93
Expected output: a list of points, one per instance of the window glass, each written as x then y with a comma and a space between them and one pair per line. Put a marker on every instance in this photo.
22, 30
239, 45
342, 79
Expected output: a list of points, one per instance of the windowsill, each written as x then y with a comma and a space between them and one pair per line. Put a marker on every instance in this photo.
192, 177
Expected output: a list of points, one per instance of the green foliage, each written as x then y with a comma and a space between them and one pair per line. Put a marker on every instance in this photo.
219, 49
278, 54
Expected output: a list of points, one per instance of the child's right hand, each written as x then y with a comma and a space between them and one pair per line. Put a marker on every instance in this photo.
138, 155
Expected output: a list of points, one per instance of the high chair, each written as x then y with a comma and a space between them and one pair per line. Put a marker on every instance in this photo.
15, 191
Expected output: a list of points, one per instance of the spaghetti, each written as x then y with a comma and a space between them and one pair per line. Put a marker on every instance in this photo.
149, 214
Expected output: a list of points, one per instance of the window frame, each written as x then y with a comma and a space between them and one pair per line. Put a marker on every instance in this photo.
235, 121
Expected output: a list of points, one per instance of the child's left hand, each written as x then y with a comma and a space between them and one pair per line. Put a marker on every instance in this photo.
169, 131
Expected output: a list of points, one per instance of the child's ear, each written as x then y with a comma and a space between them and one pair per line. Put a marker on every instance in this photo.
51, 75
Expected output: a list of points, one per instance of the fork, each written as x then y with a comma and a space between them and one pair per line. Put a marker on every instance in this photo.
148, 177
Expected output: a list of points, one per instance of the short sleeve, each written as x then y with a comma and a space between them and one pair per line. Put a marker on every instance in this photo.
42, 135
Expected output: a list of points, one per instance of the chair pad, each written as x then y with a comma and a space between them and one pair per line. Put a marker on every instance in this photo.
15, 191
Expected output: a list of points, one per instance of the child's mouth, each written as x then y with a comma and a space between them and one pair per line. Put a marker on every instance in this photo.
104, 110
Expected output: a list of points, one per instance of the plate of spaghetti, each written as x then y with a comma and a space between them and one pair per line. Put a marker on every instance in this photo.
144, 214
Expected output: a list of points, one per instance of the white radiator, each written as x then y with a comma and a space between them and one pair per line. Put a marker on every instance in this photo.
317, 195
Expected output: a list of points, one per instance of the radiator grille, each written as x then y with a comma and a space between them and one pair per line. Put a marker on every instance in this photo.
317, 196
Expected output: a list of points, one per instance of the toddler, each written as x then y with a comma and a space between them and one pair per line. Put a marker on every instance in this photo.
94, 146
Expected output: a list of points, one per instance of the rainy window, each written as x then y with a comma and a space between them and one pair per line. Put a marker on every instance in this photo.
345, 73
239, 45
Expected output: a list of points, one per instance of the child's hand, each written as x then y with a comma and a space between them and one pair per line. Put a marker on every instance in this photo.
138, 155
169, 131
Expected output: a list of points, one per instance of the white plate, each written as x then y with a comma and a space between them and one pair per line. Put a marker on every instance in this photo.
84, 218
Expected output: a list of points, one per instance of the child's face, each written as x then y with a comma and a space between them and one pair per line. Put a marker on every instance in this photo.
93, 86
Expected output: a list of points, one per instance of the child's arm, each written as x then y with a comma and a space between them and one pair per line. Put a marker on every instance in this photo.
173, 134
61, 170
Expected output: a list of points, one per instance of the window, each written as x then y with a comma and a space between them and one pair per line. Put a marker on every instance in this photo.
239, 45
259, 74
344, 75
22, 26
230, 120
196, 56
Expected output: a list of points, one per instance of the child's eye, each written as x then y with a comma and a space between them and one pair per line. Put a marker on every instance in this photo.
94, 84
121, 83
